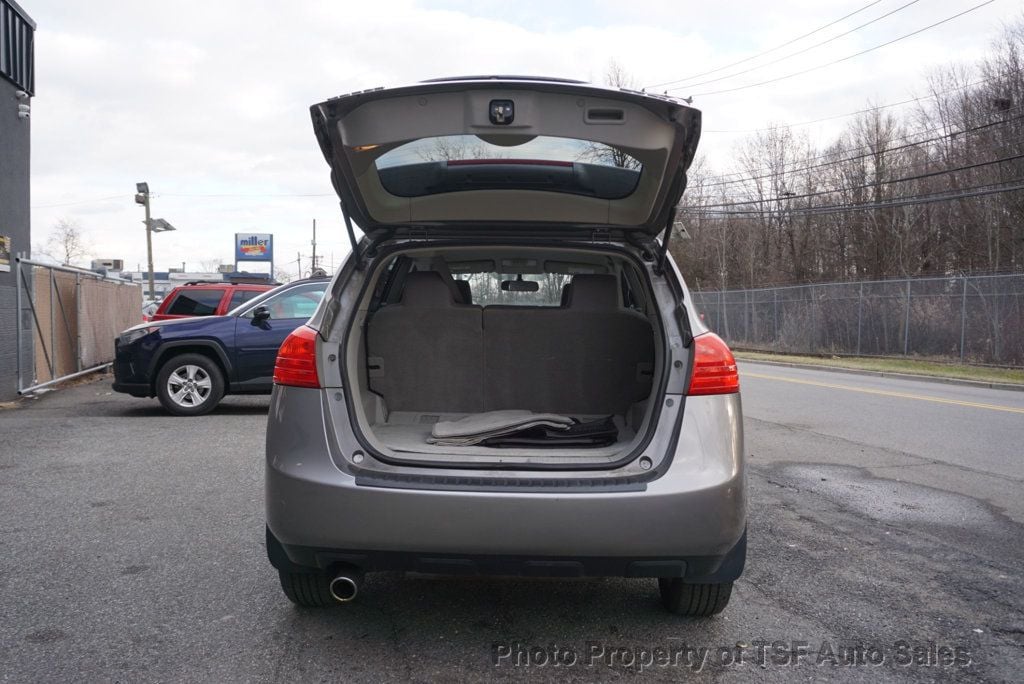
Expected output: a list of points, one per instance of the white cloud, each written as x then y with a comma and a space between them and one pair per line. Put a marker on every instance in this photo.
211, 98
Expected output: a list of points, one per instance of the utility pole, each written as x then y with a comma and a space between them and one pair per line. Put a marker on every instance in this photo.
314, 244
298, 261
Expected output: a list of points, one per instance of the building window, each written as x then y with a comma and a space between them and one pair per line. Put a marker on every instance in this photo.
17, 33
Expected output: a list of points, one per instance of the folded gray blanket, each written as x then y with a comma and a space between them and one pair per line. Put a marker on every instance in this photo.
480, 426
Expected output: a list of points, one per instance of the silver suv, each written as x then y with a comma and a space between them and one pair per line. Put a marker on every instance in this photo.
507, 376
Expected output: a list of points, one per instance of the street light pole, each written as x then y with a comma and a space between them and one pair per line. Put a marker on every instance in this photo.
149, 250
314, 245
152, 226
142, 197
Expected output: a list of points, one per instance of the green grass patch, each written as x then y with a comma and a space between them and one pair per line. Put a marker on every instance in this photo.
896, 365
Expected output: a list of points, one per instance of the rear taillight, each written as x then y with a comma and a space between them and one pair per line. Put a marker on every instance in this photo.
296, 360
714, 368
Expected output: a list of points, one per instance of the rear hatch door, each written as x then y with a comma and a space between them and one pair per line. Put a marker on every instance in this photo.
514, 153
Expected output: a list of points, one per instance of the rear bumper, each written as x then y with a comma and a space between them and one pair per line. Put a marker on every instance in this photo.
703, 569
688, 522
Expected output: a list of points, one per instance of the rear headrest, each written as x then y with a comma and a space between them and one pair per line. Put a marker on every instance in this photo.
465, 291
594, 292
426, 289
566, 295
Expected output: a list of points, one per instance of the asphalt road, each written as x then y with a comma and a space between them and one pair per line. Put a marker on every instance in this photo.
885, 516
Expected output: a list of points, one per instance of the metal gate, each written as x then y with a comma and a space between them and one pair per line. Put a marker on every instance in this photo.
75, 316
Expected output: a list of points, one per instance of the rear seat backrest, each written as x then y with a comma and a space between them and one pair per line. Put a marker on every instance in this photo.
591, 357
428, 353
425, 353
594, 292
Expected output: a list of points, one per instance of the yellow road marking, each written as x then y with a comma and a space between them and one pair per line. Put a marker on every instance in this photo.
886, 393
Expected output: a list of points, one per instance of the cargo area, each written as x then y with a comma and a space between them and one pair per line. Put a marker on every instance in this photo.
442, 336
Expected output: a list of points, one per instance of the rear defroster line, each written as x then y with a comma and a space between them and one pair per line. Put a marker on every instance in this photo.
886, 393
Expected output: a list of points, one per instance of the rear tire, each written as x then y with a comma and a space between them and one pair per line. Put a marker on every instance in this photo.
189, 385
307, 589
694, 600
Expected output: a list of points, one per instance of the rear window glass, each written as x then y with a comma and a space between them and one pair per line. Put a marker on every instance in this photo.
466, 162
485, 289
539, 148
195, 303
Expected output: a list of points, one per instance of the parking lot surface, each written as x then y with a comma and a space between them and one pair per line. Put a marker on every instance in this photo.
885, 543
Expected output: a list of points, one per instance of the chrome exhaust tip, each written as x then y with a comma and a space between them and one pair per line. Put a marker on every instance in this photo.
344, 587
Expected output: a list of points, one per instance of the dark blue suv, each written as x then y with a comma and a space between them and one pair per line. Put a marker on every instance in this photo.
191, 363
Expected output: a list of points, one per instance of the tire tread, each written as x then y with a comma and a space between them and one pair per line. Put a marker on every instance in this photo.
694, 600
307, 589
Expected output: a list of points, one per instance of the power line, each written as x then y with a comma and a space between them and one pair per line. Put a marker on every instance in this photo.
916, 143
766, 52
798, 52
847, 57
859, 111
88, 201
172, 194
892, 181
975, 191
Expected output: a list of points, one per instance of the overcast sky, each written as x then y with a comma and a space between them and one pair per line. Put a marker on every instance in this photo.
208, 101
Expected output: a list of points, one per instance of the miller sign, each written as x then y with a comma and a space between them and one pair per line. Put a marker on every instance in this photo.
254, 247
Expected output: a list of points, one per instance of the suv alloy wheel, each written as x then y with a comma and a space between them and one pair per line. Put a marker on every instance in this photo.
189, 385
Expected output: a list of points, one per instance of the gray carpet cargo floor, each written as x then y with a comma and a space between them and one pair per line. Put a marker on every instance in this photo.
407, 432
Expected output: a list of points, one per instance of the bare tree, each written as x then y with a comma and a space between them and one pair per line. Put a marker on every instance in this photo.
931, 191
66, 242
599, 153
616, 76
453, 148
210, 265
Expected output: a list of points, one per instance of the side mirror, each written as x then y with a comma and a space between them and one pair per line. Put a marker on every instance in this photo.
260, 314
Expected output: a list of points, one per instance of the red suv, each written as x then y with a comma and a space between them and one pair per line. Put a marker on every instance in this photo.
206, 299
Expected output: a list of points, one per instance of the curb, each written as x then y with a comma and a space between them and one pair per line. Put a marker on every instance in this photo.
889, 374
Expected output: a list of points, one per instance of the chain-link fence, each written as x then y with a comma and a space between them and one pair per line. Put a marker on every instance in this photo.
972, 319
